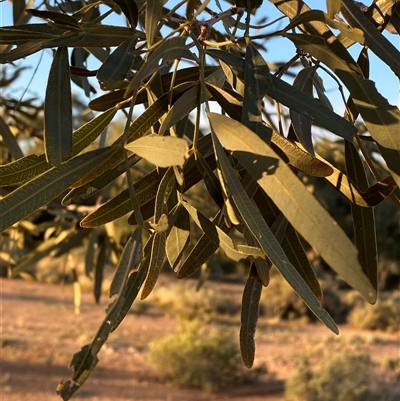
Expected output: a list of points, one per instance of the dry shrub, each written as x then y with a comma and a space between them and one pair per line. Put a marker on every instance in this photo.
384, 315
347, 377
184, 302
200, 358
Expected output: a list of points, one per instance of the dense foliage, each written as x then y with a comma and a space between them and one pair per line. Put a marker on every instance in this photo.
177, 60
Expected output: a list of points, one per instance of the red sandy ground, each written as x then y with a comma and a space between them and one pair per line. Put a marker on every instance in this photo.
40, 333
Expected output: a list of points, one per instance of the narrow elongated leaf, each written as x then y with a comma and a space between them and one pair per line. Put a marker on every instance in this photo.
363, 218
119, 63
58, 110
15, 35
298, 158
87, 133
168, 50
297, 256
36, 193
269, 244
59, 18
178, 238
289, 194
387, 52
9, 140
153, 16
99, 267
301, 123
181, 108
32, 165
130, 9
249, 316
145, 190
130, 258
156, 262
163, 151
257, 80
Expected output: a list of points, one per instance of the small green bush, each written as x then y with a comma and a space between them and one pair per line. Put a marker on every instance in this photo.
196, 357
384, 315
348, 377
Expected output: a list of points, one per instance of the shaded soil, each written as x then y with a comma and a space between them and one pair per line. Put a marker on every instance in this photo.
41, 332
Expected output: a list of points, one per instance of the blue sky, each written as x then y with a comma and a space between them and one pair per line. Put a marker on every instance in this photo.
278, 49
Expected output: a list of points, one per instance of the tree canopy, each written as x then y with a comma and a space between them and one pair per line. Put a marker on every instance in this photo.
251, 150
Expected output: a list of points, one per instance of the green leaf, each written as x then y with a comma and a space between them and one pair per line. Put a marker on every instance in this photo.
167, 50
99, 267
58, 110
258, 81
289, 194
41, 190
15, 35
87, 133
249, 316
167, 185
130, 9
153, 16
129, 260
32, 165
58, 18
363, 218
163, 151
119, 62
179, 237
296, 254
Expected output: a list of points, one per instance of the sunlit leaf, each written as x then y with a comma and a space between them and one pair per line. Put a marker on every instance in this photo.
179, 237
313, 223
163, 151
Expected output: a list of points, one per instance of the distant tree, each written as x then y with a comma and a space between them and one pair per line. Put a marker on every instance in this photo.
179, 58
